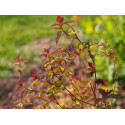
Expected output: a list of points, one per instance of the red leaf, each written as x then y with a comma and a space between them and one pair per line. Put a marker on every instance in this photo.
58, 19
47, 50
42, 55
78, 77
45, 55
20, 82
105, 82
91, 65
62, 18
101, 81
71, 47
102, 91
53, 25
76, 52
84, 92
34, 75
19, 58
122, 85
18, 88
108, 92
60, 62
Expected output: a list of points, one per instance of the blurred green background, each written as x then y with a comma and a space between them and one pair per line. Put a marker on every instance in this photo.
109, 28
16, 31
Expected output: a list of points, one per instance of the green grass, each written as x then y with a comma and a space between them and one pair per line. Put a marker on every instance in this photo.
17, 30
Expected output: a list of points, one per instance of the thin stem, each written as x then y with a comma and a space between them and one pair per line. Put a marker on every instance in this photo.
57, 102
76, 35
30, 89
21, 98
115, 75
77, 98
92, 90
92, 57
89, 55
71, 92
21, 85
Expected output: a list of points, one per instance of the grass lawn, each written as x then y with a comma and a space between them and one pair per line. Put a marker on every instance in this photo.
17, 30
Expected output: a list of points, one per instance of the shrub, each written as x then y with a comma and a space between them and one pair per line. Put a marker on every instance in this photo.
58, 85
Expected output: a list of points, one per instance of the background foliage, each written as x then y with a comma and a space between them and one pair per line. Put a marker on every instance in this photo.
16, 31
109, 28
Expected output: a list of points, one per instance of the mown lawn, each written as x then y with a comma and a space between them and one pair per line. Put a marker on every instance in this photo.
17, 30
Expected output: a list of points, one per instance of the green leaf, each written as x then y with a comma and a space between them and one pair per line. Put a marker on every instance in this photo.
31, 86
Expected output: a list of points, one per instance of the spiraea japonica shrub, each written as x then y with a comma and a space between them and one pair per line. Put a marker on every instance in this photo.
57, 84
